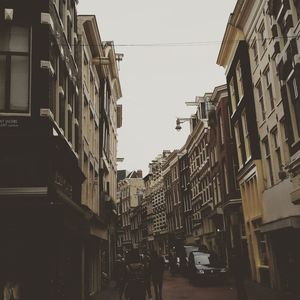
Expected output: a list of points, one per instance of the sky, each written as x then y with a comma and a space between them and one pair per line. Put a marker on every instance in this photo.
170, 50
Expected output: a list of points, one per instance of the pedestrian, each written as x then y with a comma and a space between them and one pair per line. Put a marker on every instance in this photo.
238, 272
11, 289
135, 277
172, 263
157, 271
120, 271
146, 262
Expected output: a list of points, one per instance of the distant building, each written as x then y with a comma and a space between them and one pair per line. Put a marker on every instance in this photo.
130, 191
186, 195
227, 214
201, 195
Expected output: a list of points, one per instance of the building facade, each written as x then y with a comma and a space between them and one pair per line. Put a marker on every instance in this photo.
186, 196
158, 202
42, 220
130, 190
227, 214
173, 204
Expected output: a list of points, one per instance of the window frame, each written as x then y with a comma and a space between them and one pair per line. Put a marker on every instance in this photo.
7, 86
269, 87
268, 159
260, 96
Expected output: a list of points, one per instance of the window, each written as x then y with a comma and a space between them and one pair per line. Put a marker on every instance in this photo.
246, 135
284, 135
221, 129
62, 11
268, 82
277, 149
238, 143
14, 69
229, 123
254, 52
294, 103
261, 242
239, 79
268, 161
62, 99
232, 94
53, 82
297, 5
226, 178
261, 100
262, 38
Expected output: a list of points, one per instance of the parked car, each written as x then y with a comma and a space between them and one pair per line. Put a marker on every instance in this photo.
205, 267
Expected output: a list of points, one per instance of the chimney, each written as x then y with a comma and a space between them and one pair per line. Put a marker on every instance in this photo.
139, 173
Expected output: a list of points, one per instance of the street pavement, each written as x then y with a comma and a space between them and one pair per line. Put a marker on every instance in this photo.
179, 288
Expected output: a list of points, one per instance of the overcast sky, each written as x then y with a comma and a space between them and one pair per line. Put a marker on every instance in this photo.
157, 79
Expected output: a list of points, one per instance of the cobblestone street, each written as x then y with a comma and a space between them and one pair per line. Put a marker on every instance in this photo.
179, 288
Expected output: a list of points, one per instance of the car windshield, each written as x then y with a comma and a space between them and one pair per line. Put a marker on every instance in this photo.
202, 259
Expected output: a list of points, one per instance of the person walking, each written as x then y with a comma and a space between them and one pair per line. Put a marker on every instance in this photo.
157, 271
119, 272
135, 277
146, 262
11, 291
172, 263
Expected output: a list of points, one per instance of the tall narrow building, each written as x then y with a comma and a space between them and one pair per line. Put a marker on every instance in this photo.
42, 221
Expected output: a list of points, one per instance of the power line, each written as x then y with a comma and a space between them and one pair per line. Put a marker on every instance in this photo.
189, 44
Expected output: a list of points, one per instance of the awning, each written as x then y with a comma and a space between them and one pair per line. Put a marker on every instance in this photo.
290, 222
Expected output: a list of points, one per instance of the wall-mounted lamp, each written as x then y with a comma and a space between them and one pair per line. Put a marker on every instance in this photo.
180, 121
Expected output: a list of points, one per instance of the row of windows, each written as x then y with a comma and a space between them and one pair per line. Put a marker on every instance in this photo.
199, 156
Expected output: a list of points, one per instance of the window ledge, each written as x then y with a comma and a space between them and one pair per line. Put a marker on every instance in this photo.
296, 142
248, 159
262, 123
279, 102
271, 112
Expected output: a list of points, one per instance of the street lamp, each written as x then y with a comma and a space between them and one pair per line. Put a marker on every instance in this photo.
182, 120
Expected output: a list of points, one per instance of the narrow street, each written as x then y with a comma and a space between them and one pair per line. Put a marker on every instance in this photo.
179, 288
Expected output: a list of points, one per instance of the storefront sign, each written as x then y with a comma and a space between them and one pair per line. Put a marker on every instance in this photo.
9, 123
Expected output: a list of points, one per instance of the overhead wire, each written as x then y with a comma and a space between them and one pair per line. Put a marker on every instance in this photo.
188, 44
